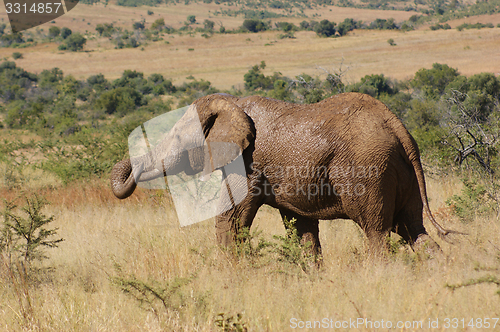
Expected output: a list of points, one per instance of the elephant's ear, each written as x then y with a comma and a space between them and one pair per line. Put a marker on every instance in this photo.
228, 130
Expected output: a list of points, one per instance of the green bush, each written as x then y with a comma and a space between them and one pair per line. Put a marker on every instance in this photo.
285, 26
54, 32
65, 33
374, 85
25, 115
438, 26
473, 201
325, 28
11, 39
256, 80
74, 42
433, 82
158, 24
17, 55
474, 26
105, 30
309, 90
383, 24
120, 101
347, 25
254, 25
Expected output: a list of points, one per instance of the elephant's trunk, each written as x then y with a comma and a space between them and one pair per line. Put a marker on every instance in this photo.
127, 173
122, 179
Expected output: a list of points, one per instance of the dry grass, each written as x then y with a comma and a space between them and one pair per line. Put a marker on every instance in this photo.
79, 18
143, 237
141, 234
224, 59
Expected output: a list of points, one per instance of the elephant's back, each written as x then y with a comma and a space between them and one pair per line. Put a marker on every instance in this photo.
349, 121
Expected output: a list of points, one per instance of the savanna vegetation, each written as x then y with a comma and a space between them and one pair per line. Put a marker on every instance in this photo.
88, 257
75, 258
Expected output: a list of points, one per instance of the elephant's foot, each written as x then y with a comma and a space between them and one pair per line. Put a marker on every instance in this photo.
312, 248
426, 245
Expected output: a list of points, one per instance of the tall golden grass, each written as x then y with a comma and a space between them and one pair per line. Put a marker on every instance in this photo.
141, 236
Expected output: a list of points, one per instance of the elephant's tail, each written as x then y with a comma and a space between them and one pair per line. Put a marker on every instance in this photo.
412, 152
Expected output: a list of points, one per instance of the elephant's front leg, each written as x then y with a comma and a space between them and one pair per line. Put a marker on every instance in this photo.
233, 217
307, 230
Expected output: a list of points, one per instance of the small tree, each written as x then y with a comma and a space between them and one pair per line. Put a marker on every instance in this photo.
191, 19
138, 26
54, 32
254, 25
74, 42
348, 25
325, 28
28, 236
158, 24
469, 137
209, 25
17, 55
66, 32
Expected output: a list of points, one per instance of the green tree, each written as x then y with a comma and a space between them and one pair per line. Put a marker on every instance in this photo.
286, 26
433, 82
105, 30
347, 25
121, 100
253, 25
138, 26
74, 42
50, 78
28, 236
158, 24
383, 24
100, 29
209, 25
309, 89
160, 85
255, 79
191, 19
98, 82
325, 28
66, 32
281, 91
54, 32
7, 40
374, 85
24, 116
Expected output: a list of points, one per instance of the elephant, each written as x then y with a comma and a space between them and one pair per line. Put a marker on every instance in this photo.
346, 157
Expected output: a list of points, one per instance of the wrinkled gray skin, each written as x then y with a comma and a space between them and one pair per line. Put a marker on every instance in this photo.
350, 142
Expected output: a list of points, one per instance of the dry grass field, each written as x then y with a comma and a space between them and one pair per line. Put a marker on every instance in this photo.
141, 236
224, 59
108, 242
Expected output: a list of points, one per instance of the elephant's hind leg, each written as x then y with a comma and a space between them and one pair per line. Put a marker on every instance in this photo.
408, 223
307, 230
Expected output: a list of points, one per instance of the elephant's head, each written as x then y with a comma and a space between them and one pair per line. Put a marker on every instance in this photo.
211, 134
